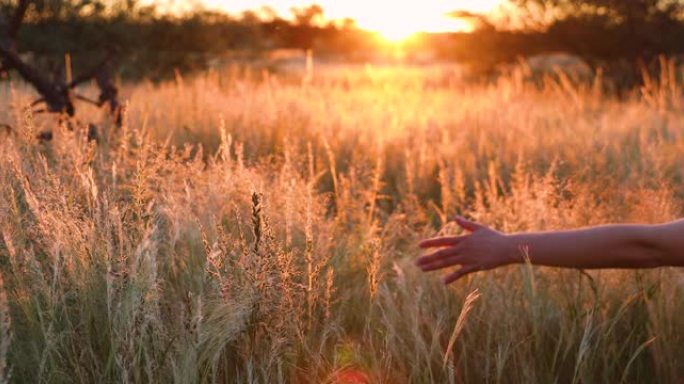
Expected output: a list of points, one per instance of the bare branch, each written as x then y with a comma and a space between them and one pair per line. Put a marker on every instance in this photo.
109, 93
111, 53
55, 95
87, 100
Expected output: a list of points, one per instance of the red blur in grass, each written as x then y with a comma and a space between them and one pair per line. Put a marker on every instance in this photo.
350, 376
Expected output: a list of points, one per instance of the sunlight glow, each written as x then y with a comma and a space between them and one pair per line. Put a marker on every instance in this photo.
394, 20
394, 34
398, 30
407, 19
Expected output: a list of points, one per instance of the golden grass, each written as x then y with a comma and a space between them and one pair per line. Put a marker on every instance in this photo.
251, 227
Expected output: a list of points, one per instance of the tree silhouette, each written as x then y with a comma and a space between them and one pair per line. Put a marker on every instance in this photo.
303, 31
615, 29
307, 16
56, 95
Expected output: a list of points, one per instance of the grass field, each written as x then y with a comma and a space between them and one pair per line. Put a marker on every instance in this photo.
251, 227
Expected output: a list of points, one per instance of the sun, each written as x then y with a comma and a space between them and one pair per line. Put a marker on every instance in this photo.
396, 34
407, 19
397, 31
393, 20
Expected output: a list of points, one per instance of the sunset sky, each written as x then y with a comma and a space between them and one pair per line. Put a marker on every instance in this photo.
392, 18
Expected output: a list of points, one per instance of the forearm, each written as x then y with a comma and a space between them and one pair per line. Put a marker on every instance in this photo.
611, 246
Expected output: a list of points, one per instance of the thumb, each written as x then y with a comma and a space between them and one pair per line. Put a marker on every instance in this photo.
467, 224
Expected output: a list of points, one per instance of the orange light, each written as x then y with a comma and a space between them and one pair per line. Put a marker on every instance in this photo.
406, 21
394, 20
396, 35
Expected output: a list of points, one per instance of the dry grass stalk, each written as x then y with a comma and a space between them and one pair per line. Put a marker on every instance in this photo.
151, 258
460, 323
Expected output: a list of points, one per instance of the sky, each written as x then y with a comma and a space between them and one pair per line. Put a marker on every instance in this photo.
390, 17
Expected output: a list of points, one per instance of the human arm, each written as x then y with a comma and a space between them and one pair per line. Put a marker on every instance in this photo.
608, 246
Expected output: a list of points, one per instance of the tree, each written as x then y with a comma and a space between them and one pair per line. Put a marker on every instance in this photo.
621, 37
614, 29
615, 11
304, 30
308, 16
57, 95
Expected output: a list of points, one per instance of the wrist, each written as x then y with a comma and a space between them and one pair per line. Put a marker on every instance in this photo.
516, 250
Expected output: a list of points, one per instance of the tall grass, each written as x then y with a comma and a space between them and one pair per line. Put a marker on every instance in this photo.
251, 227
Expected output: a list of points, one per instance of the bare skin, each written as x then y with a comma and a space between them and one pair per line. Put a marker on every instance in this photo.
608, 246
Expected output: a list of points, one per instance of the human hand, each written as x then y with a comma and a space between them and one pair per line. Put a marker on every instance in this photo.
482, 249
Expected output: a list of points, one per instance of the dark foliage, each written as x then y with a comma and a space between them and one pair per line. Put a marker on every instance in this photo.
611, 34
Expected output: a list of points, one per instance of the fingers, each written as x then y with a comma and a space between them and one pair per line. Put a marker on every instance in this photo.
442, 263
460, 273
467, 224
438, 256
441, 242
448, 241
452, 255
